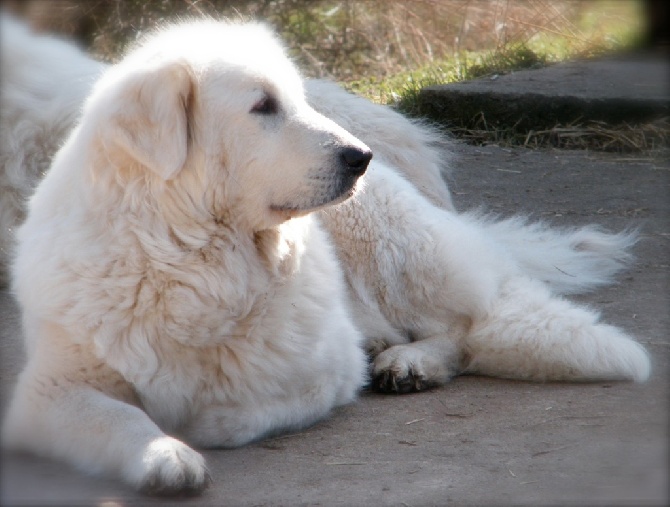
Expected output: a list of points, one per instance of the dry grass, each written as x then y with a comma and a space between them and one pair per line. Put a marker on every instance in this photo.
345, 39
602, 137
653, 137
389, 49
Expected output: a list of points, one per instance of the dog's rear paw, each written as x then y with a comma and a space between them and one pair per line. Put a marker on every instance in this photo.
404, 369
170, 467
389, 382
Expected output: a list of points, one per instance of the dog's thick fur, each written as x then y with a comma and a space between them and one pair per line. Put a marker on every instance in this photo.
167, 262
174, 280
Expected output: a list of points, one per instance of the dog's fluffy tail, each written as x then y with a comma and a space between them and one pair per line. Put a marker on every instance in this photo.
569, 261
530, 335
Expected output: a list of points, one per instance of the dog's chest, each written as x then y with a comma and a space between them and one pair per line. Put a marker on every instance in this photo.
242, 366
183, 344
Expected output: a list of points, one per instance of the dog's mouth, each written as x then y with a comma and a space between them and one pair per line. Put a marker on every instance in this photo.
345, 190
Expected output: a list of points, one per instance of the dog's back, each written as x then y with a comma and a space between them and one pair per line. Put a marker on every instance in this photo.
43, 82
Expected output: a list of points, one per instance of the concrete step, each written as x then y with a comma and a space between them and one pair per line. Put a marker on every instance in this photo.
626, 88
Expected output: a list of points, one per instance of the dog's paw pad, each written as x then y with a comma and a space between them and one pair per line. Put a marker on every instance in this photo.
172, 468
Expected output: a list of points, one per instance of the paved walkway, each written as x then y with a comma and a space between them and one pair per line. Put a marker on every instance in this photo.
477, 441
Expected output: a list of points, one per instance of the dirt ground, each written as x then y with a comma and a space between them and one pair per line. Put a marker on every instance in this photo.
477, 441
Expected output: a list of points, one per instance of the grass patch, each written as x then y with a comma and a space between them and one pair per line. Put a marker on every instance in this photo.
402, 90
601, 27
388, 50
650, 137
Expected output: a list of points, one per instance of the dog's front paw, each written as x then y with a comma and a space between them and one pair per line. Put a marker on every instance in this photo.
170, 467
404, 369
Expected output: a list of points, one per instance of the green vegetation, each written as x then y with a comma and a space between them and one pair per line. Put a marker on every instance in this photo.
595, 28
372, 43
598, 27
388, 50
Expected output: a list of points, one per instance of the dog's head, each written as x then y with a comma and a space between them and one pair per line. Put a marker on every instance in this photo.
216, 113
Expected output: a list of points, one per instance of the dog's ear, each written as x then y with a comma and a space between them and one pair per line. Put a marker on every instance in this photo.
152, 126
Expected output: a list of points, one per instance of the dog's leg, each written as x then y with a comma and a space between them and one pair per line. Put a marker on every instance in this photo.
528, 334
416, 366
82, 425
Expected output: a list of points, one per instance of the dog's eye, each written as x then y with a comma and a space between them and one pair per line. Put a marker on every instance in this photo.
267, 105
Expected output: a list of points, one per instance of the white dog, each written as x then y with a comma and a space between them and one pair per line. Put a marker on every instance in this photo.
167, 263
173, 281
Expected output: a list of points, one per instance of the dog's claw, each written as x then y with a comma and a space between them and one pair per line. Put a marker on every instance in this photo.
388, 382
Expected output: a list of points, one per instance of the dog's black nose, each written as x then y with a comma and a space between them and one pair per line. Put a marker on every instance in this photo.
356, 159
